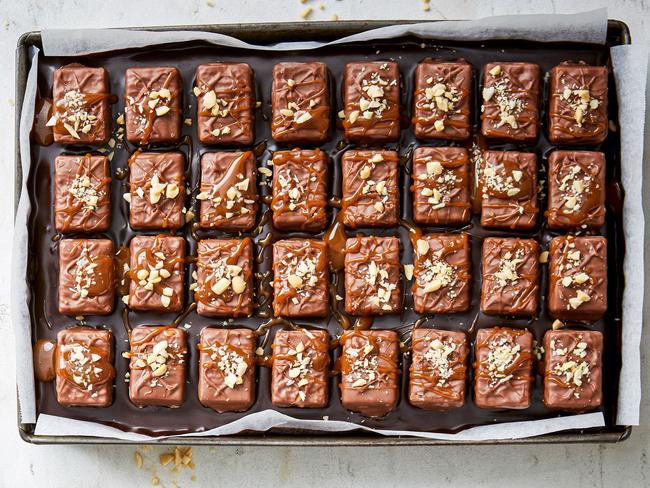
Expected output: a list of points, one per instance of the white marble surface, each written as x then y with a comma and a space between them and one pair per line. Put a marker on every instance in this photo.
26, 465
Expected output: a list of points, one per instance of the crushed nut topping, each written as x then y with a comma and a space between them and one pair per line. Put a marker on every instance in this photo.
84, 193
440, 184
73, 114
372, 188
300, 367
236, 197
157, 190
378, 280
509, 263
434, 272
363, 362
502, 356
571, 364
580, 101
84, 273
373, 103
572, 277
441, 99
232, 364
575, 184
300, 274
156, 103
291, 186
440, 355
497, 179
156, 360
154, 274
508, 99
82, 365
227, 279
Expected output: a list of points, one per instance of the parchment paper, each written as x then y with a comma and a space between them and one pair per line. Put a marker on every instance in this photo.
630, 63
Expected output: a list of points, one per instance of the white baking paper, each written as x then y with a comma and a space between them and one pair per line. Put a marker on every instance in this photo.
585, 27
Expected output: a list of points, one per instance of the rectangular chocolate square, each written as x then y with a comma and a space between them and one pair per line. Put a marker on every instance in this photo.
153, 105
370, 371
300, 278
300, 190
82, 193
441, 186
510, 276
227, 369
576, 189
372, 276
577, 104
438, 369
441, 273
573, 369
228, 192
157, 363
86, 276
503, 375
84, 367
441, 100
81, 105
578, 278
300, 374
371, 94
301, 103
510, 101
225, 278
509, 190
157, 273
157, 190
226, 101
370, 192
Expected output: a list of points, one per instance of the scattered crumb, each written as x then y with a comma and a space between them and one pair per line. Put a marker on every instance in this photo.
209, 3
187, 121
138, 460
334, 17
5, 24
321, 6
306, 13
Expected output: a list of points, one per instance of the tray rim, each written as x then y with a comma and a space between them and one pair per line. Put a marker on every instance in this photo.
270, 32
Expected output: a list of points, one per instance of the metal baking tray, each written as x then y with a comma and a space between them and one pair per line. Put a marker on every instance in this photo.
266, 33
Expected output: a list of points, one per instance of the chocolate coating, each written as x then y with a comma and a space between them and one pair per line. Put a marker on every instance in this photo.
573, 369
510, 96
162, 123
441, 186
577, 287
225, 278
510, 276
503, 368
82, 193
157, 363
577, 104
372, 276
370, 194
86, 276
509, 190
300, 190
371, 95
157, 273
228, 192
301, 105
300, 374
441, 100
81, 105
226, 101
369, 371
84, 367
300, 278
576, 190
441, 275
438, 372
157, 189
227, 369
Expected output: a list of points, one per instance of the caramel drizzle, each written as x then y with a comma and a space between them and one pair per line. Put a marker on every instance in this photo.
311, 87
302, 164
146, 258
103, 278
208, 364
77, 209
229, 252
594, 122
519, 368
90, 104
387, 366
427, 376
354, 202
238, 97
213, 215
387, 122
64, 367
283, 292
166, 208
141, 99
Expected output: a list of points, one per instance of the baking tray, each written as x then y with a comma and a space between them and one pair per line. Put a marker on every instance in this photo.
617, 33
